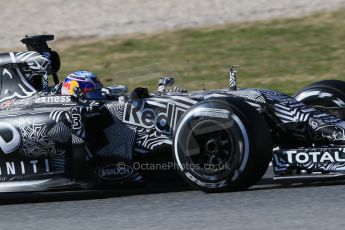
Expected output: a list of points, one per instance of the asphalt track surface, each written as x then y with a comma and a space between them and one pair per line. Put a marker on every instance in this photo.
268, 205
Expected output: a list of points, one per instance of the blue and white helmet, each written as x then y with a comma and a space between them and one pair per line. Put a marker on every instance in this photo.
85, 82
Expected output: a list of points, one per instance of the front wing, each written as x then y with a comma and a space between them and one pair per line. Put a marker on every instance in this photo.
309, 161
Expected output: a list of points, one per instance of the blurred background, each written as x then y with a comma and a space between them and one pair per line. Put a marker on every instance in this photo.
282, 44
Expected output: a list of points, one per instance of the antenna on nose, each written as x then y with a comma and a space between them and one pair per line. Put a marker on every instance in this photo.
233, 77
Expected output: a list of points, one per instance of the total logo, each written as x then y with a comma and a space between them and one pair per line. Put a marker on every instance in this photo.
302, 157
143, 114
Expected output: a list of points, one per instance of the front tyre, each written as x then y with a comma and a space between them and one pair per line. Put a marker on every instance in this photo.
222, 145
327, 93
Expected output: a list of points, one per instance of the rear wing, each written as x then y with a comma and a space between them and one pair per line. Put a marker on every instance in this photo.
20, 71
39, 44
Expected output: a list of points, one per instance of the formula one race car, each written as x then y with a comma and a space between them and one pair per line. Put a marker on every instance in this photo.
219, 140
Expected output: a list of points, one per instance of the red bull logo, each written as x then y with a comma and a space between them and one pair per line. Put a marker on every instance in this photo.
68, 87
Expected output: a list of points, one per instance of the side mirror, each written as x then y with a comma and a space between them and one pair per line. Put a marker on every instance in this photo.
164, 82
114, 92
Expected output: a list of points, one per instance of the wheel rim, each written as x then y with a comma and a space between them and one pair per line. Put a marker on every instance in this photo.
212, 148
216, 148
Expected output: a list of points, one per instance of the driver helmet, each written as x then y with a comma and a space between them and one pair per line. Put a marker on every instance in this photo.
83, 82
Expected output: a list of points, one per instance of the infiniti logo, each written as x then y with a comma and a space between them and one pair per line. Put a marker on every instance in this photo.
9, 138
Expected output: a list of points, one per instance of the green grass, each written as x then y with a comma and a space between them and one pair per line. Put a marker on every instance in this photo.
282, 54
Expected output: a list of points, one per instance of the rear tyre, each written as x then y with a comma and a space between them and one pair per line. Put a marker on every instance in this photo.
222, 145
327, 93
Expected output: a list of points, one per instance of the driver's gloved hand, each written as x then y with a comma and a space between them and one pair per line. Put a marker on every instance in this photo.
56, 90
139, 93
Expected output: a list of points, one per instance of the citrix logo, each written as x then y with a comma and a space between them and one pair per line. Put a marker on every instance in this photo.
10, 138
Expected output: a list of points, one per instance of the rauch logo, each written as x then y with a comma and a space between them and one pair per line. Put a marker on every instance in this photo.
115, 171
